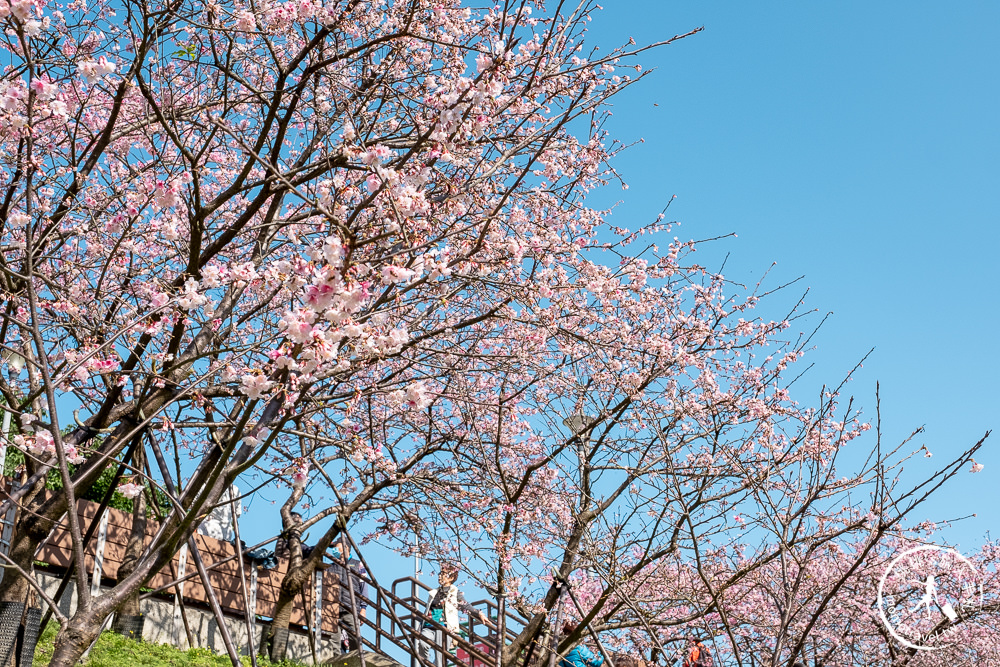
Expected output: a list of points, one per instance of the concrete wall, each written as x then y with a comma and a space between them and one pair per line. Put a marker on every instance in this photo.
159, 626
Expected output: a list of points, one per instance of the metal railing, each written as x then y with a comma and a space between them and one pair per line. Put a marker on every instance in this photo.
396, 619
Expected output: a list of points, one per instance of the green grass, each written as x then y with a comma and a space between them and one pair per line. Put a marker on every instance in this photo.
113, 650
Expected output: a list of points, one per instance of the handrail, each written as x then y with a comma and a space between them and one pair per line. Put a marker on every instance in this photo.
413, 603
492, 609
415, 606
399, 620
387, 603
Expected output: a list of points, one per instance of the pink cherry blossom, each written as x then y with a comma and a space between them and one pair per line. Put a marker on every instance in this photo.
42, 445
417, 396
300, 474
21, 8
92, 70
73, 456
255, 386
159, 299
245, 21
396, 274
130, 489
44, 88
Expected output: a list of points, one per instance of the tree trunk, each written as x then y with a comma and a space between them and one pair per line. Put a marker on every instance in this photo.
300, 570
291, 587
14, 587
128, 620
277, 633
291, 584
74, 639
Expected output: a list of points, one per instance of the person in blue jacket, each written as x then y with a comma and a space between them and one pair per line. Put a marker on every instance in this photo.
579, 655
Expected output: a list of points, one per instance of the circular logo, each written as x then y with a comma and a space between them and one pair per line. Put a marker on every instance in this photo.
925, 594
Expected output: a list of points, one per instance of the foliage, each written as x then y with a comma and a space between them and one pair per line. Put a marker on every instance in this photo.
95, 493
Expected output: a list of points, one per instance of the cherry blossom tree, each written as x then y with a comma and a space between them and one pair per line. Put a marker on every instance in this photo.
668, 478
221, 219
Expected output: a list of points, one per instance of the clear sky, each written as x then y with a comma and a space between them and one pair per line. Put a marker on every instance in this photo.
856, 144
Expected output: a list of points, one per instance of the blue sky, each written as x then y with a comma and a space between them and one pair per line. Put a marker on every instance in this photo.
855, 144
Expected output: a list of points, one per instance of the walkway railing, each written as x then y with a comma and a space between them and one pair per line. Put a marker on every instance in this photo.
396, 619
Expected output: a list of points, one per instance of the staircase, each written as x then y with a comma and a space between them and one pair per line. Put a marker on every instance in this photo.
395, 618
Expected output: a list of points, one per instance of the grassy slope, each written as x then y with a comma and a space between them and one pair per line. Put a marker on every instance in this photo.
113, 650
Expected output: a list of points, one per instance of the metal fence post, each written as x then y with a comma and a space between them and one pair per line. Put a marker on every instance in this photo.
181, 567
7, 533
318, 605
102, 540
253, 600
